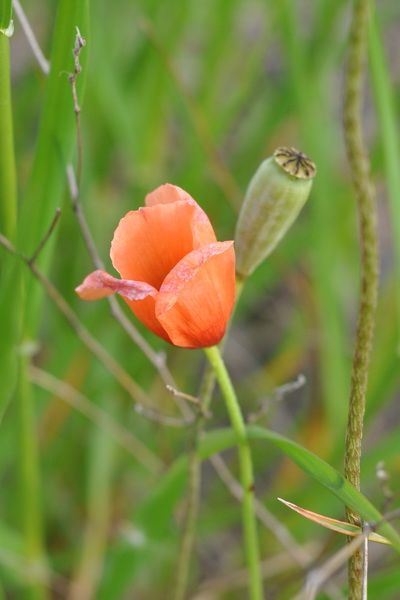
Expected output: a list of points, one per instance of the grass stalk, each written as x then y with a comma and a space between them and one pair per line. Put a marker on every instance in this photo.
8, 182
246, 472
365, 196
8, 214
29, 491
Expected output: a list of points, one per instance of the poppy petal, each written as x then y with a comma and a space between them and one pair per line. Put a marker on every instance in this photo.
150, 241
100, 284
139, 296
203, 232
196, 298
167, 193
144, 310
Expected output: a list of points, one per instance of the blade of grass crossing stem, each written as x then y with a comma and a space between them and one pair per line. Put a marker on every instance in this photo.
8, 212
389, 133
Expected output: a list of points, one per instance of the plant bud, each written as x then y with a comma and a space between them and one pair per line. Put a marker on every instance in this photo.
274, 198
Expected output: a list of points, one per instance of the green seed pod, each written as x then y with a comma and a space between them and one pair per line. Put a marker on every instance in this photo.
274, 198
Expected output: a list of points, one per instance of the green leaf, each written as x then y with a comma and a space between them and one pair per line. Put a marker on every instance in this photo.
311, 464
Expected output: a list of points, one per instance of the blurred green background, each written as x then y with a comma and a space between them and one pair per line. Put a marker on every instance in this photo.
197, 94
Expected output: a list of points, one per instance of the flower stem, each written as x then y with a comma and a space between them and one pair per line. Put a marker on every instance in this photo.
194, 482
246, 472
365, 195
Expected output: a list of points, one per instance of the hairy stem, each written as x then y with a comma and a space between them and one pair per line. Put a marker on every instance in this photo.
246, 472
365, 196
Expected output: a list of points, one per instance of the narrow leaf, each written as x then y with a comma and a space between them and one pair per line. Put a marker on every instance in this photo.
334, 524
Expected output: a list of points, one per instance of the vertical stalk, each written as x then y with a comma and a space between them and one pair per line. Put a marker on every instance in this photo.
365, 196
8, 211
194, 480
246, 472
29, 483
8, 186
30, 510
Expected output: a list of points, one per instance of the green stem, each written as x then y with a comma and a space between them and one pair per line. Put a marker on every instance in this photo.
365, 195
194, 470
29, 481
8, 187
246, 472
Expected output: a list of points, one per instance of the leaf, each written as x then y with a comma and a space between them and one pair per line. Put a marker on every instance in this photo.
311, 464
334, 524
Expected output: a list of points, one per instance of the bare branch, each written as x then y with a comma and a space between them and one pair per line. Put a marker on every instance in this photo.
123, 378
80, 43
46, 236
278, 395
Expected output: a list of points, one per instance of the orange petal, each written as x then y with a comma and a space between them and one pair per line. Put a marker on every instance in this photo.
139, 296
145, 312
167, 193
196, 299
203, 232
100, 284
150, 241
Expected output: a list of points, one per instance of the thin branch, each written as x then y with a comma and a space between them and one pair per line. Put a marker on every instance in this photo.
46, 236
80, 43
193, 399
123, 378
277, 395
31, 38
81, 403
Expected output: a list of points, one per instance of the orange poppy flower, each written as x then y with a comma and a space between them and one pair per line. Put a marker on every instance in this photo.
176, 278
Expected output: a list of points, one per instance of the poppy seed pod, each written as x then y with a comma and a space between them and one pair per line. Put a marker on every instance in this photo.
274, 198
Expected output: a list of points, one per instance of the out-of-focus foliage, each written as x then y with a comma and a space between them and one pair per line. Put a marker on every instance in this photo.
198, 94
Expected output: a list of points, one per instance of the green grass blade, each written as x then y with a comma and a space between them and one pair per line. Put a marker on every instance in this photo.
311, 464
5, 14
8, 213
389, 133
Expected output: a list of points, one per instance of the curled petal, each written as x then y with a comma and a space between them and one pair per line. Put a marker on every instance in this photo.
139, 296
150, 241
203, 232
167, 193
100, 284
196, 298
